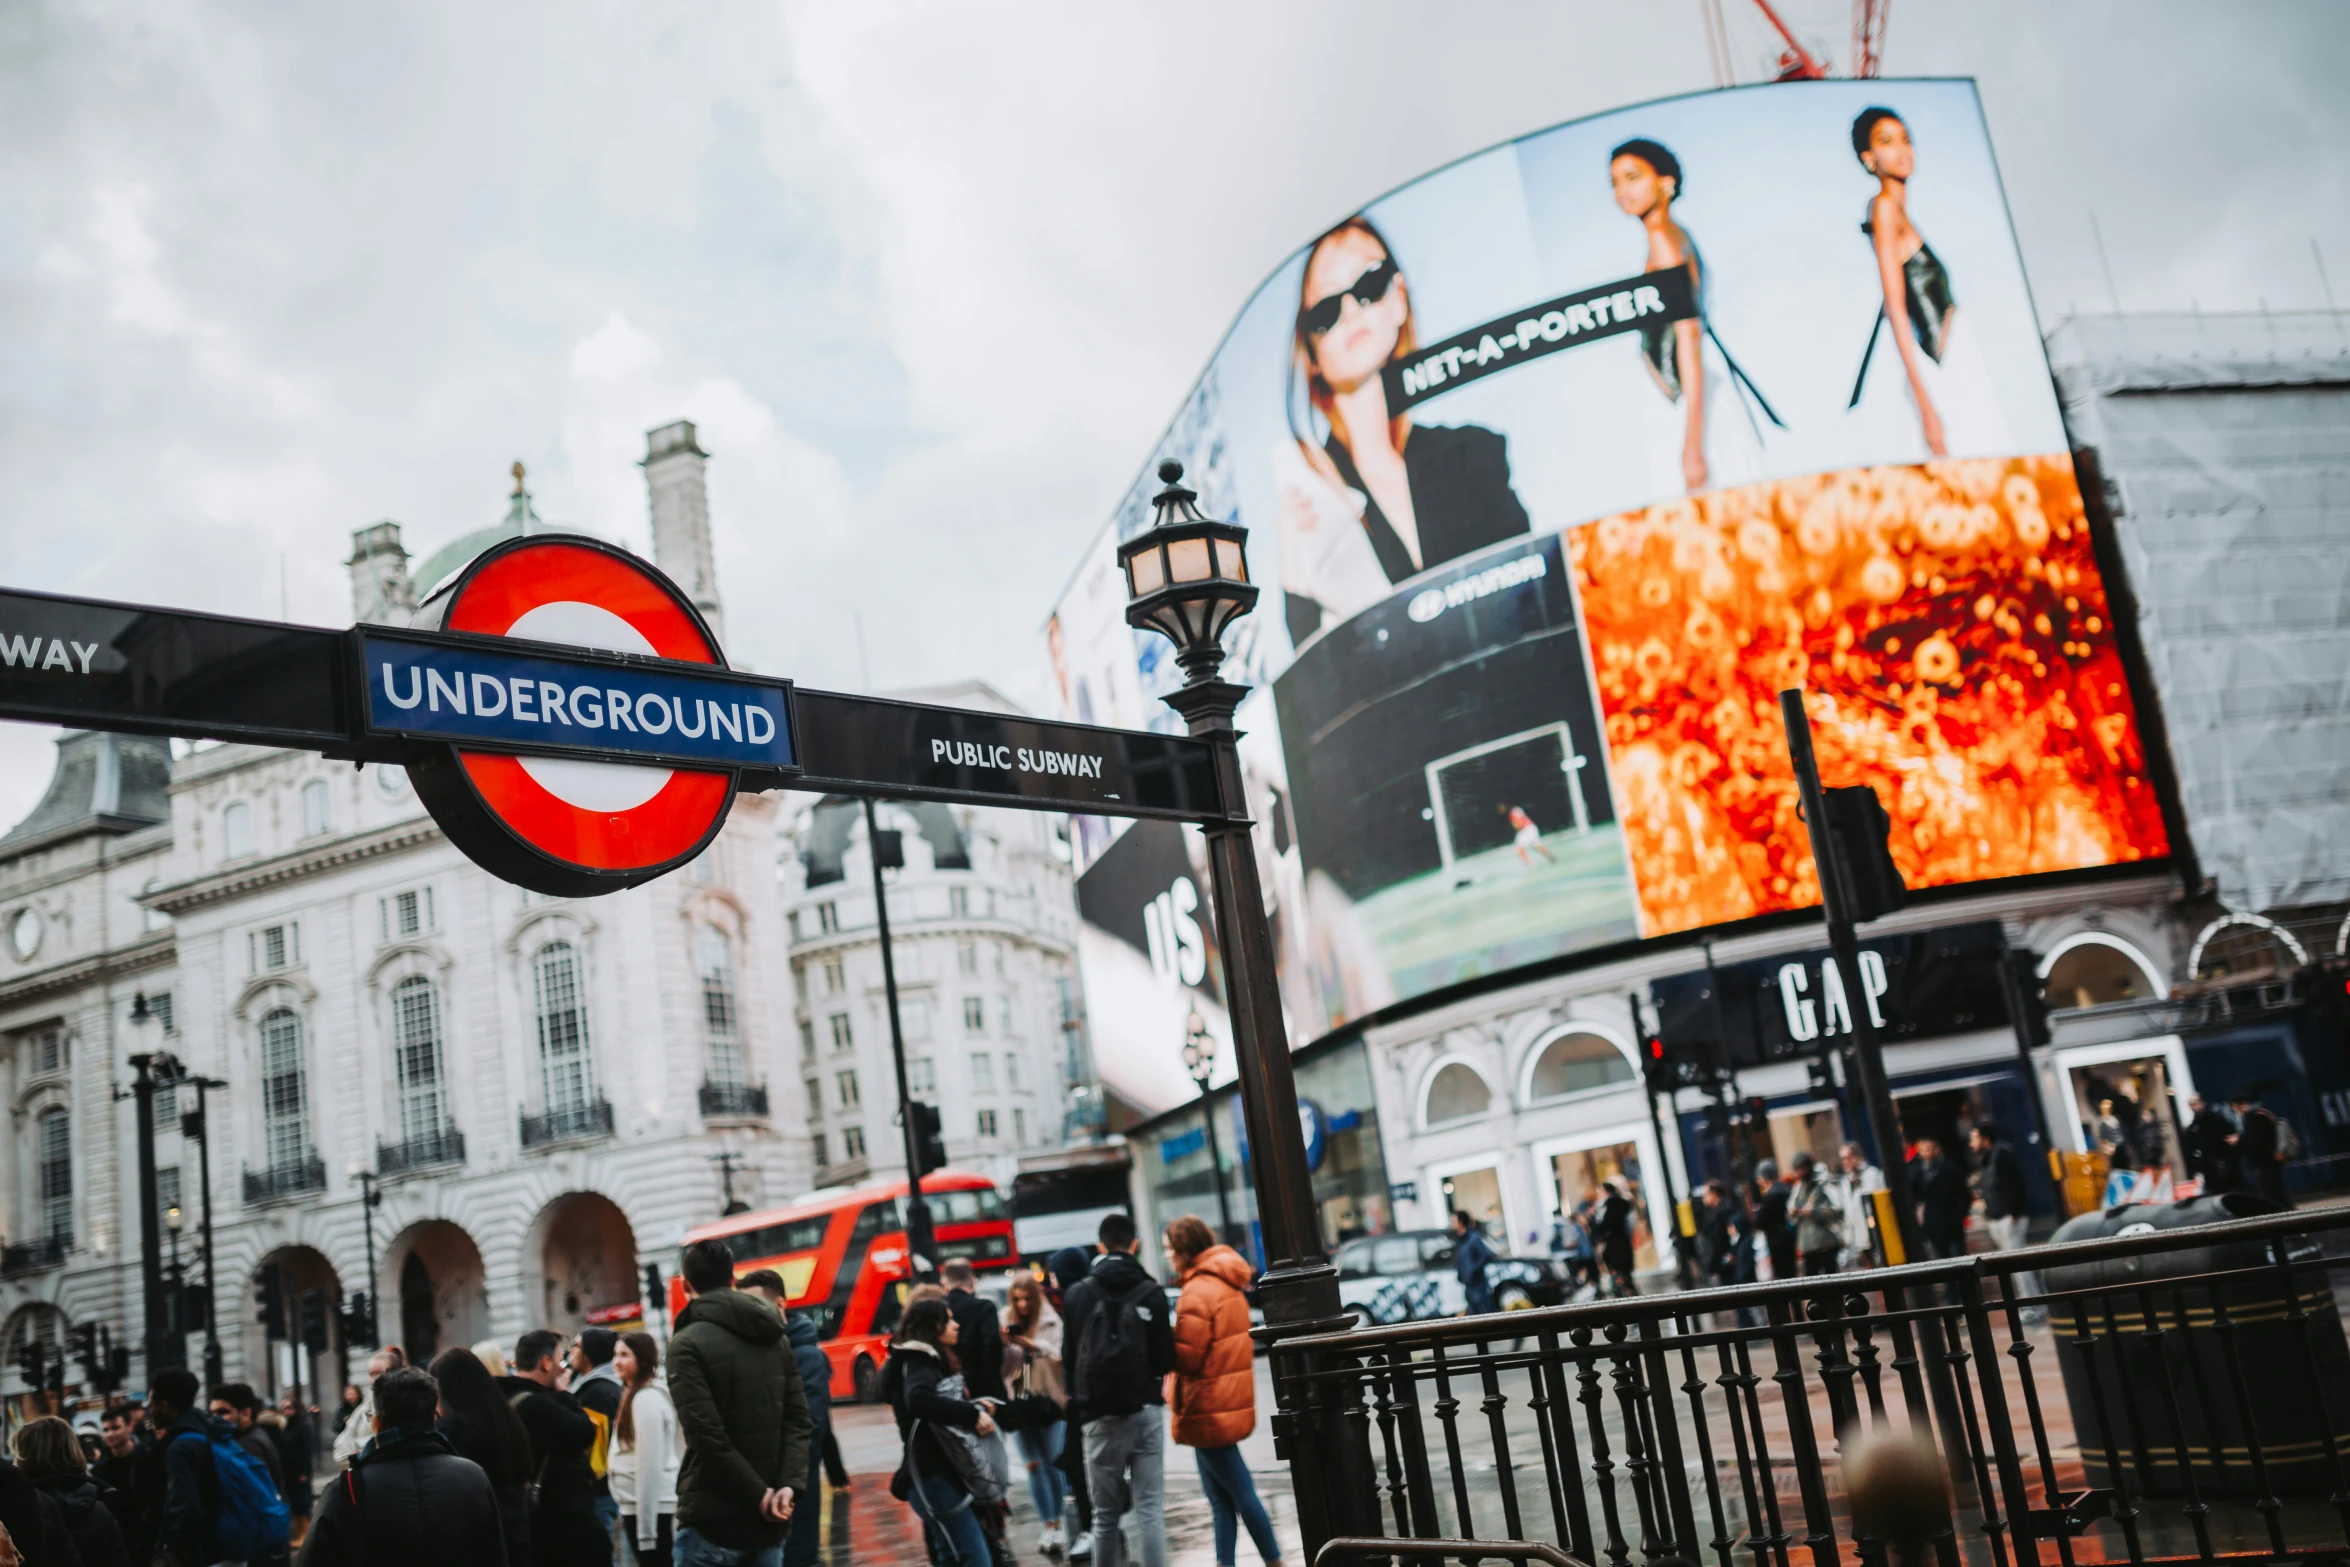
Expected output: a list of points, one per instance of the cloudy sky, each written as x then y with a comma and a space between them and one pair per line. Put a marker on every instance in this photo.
931, 278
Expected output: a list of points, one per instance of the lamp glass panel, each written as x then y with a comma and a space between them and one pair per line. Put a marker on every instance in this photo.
1145, 573
1188, 560
1233, 557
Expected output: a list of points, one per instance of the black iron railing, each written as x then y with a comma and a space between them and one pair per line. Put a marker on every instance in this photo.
744, 1100
593, 1119
429, 1151
32, 1256
2176, 1395
283, 1182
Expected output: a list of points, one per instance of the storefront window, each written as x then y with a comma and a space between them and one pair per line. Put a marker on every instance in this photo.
1582, 1174
2124, 1111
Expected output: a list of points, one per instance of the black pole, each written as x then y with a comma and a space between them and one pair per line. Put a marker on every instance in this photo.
369, 1197
156, 1319
2019, 1013
200, 1128
921, 1238
1318, 1433
1868, 1065
1207, 1117
1684, 1256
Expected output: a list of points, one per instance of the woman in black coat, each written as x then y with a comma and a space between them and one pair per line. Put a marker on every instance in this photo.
50, 1456
481, 1425
921, 1356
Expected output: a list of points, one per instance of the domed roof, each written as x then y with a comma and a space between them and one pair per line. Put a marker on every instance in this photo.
521, 518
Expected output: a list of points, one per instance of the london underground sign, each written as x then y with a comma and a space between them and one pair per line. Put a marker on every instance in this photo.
553, 771
565, 715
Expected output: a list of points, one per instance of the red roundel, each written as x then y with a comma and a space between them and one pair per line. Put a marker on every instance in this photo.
563, 826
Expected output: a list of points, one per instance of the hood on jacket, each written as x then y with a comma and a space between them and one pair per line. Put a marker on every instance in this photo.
1222, 1262
800, 1328
1068, 1265
746, 1316
1117, 1273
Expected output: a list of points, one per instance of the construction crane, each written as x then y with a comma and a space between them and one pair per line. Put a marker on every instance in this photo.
1797, 62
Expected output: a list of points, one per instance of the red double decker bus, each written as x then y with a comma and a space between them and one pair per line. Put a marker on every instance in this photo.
843, 1260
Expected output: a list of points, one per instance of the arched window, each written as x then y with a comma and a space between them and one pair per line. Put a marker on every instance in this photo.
416, 1058
2096, 973
566, 1077
285, 1129
56, 1175
315, 816
236, 830
714, 961
1573, 1063
1456, 1093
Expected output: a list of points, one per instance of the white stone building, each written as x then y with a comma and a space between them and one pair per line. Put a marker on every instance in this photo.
983, 927
549, 1091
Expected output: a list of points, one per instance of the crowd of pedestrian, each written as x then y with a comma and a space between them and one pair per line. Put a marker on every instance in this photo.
582, 1452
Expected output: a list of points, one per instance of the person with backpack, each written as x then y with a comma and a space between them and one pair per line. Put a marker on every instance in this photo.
409, 1497
599, 1391
1117, 1317
218, 1502
942, 1476
237, 1406
51, 1457
564, 1530
744, 1417
1216, 1383
482, 1426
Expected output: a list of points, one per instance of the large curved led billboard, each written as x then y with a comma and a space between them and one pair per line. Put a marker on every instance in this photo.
1560, 462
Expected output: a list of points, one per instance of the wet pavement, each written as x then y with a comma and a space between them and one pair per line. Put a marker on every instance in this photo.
866, 1525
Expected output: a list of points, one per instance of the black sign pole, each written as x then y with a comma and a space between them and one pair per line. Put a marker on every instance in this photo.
1868, 1062
921, 1236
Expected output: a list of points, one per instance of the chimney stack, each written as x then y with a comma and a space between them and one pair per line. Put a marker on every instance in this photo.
674, 474
381, 594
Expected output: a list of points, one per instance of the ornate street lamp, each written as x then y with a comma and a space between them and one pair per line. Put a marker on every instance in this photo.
1199, 1059
155, 1068
1187, 579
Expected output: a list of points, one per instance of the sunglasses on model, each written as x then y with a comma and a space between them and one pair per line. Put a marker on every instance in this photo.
1320, 316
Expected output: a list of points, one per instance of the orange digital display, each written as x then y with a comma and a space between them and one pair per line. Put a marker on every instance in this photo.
1951, 626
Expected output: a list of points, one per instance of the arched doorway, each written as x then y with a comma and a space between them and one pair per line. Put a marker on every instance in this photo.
298, 1346
586, 1251
441, 1288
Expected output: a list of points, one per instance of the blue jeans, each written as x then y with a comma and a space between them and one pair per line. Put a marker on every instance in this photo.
949, 1524
694, 1551
1232, 1500
1047, 1486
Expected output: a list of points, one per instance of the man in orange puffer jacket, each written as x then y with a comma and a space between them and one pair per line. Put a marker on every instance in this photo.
1214, 1396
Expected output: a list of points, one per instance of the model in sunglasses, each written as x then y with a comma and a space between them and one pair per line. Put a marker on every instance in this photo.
1374, 501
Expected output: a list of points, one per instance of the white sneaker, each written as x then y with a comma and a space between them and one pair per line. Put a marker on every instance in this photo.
1051, 1540
1081, 1548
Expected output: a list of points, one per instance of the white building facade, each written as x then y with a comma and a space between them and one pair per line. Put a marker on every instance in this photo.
545, 1092
983, 927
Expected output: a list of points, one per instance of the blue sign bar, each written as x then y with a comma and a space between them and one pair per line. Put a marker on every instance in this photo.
624, 710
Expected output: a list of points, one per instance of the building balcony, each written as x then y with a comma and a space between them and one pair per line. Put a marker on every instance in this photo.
446, 1146
33, 1256
734, 1101
284, 1182
574, 1124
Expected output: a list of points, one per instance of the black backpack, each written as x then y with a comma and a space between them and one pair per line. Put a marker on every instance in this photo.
1114, 1355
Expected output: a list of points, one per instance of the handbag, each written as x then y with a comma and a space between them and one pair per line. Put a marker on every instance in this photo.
968, 1453
1040, 1377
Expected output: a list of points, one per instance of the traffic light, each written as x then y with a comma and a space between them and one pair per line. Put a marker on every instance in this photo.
269, 1294
314, 1313
358, 1319
2027, 998
889, 849
930, 1143
1872, 883
84, 1339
